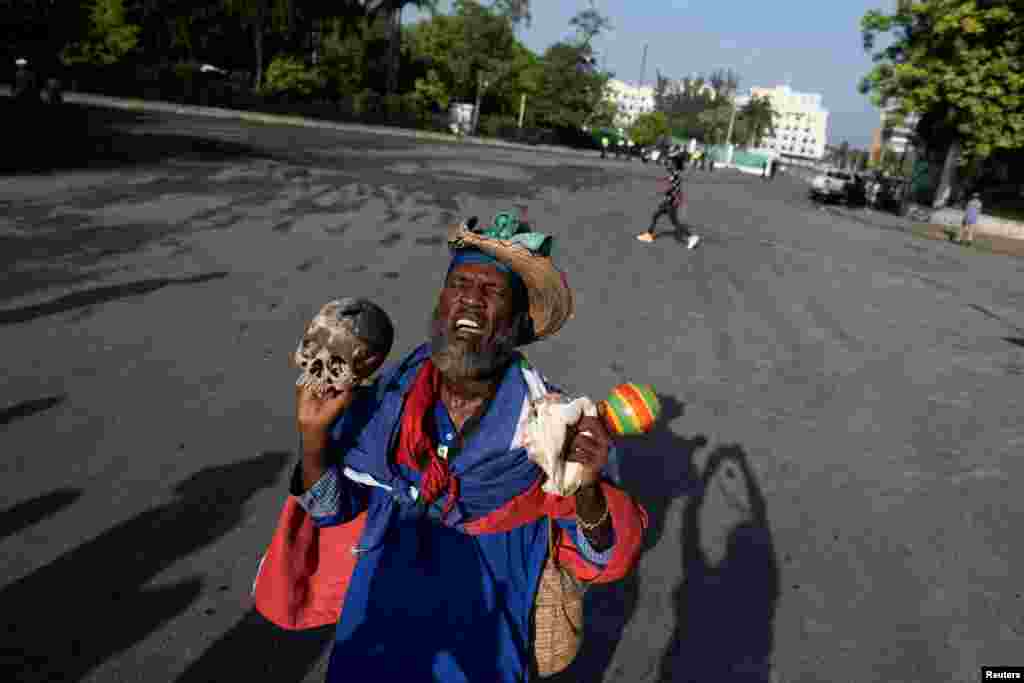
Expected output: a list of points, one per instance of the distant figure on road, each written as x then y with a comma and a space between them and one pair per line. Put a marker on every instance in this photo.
26, 89
604, 147
971, 216
670, 206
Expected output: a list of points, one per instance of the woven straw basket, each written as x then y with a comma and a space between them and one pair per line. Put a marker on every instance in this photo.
557, 616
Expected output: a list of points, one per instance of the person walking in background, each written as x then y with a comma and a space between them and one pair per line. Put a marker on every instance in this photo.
670, 206
26, 89
604, 147
971, 216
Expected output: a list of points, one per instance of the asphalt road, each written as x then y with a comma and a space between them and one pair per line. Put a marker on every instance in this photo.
833, 493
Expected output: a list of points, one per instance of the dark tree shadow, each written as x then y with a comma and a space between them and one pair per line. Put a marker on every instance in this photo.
99, 295
1015, 341
725, 613
30, 512
65, 619
43, 139
20, 411
656, 469
256, 650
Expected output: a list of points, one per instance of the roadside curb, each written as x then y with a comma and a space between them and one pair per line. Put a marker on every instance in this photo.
138, 104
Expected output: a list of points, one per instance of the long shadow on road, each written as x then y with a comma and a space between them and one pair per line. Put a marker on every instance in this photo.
725, 613
67, 618
43, 139
30, 512
656, 469
99, 295
256, 650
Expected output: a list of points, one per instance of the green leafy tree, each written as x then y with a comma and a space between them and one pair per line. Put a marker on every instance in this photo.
756, 121
589, 24
960, 65
605, 114
290, 75
516, 11
110, 37
568, 96
715, 122
471, 51
649, 127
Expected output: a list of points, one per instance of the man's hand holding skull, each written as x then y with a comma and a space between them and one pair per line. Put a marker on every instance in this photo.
344, 344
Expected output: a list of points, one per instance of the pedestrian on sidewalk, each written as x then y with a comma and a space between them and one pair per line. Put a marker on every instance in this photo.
669, 206
26, 87
971, 216
604, 147
453, 530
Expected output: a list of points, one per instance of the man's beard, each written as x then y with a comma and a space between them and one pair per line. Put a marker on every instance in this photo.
460, 359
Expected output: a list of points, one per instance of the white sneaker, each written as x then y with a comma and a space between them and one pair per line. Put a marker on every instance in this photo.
692, 241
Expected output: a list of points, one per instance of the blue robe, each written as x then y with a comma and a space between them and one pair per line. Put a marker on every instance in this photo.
426, 601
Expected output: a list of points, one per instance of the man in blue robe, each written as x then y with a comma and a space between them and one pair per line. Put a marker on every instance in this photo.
457, 527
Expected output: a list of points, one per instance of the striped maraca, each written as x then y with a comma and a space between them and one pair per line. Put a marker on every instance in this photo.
630, 409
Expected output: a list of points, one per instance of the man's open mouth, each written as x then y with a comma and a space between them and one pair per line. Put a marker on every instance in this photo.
469, 326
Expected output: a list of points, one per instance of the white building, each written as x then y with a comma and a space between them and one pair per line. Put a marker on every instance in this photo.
801, 127
631, 99
691, 85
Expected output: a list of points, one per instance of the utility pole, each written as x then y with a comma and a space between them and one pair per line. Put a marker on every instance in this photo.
732, 122
522, 109
643, 66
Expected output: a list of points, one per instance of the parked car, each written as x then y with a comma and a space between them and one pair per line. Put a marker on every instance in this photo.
830, 185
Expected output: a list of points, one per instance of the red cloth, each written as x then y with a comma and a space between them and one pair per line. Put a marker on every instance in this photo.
416, 445
304, 575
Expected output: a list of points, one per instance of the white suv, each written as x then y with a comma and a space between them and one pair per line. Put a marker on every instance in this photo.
831, 185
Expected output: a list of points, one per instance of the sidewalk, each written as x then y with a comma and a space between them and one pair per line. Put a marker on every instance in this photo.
136, 104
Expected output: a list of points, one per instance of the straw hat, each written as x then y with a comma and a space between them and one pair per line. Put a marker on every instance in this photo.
528, 254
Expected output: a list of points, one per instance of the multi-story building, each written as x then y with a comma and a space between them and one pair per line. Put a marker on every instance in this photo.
631, 99
692, 85
801, 127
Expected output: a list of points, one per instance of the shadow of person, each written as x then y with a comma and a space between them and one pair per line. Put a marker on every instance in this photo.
65, 619
656, 469
724, 613
256, 650
30, 512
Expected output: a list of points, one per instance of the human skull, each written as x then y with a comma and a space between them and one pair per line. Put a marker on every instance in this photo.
343, 345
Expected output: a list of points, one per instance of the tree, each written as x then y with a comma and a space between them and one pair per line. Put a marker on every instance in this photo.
469, 48
590, 23
959, 65
110, 37
516, 11
567, 97
259, 17
757, 120
649, 127
605, 115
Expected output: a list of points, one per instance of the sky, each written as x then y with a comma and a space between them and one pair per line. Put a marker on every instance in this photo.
814, 45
